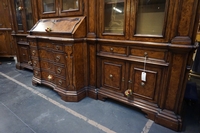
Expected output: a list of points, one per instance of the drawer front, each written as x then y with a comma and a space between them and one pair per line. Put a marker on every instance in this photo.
33, 44
47, 66
48, 76
24, 53
60, 70
21, 39
37, 74
59, 58
45, 45
113, 49
150, 53
44, 54
61, 82
113, 75
36, 63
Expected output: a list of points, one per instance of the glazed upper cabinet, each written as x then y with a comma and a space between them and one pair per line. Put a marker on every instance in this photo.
60, 8
25, 13
134, 20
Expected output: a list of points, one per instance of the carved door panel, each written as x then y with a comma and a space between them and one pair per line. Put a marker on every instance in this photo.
145, 89
24, 54
5, 21
5, 43
113, 73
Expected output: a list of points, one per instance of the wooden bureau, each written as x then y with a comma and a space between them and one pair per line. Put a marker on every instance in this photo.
59, 62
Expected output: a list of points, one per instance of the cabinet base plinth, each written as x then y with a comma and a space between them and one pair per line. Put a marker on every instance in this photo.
92, 93
73, 98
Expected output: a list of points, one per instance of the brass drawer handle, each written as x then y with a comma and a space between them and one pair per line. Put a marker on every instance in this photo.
33, 52
111, 49
111, 76
59, 70
50, 77
57, 47
59, 82
130, 81
57, 58
23, 54
34, 63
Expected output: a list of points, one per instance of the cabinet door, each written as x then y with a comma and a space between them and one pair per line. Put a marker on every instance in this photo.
4, 49
113, 73
18, 6
149, 89
48, 8
24, 54
70, 7
114, 18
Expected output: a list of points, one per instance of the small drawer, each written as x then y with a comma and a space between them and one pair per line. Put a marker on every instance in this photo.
60, 70
58, 47
59, 58
21, 39
113, 49
33, 44
37, 74
35, 63
149, 53
45, 44
47, 66
44, 54
34, 52
61, 82
48, 76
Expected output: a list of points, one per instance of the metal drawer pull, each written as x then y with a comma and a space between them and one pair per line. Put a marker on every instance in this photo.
111, 76
59, 70
145, 54
34, 63
57, 58
33, 52
30, 63
130, 81
50, 77
57, 47
60, 82
111, 49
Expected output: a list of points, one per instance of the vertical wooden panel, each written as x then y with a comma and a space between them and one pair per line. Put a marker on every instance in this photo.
91, 18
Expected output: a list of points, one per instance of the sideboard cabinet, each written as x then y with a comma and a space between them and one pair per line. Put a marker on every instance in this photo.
143, 54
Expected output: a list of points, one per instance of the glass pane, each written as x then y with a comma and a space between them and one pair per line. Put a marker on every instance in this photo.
18, 9
70, 4
150, 17
29, 14
114, 16
48, 5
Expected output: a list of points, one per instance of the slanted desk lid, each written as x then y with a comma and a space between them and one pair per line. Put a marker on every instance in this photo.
55, 26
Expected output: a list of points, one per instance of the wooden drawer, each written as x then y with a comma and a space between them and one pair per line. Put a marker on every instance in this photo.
60, 70
45, 45
61, 83
37, 74
119, 50
150, 53
48, 76
45, 65
36, 63
113, 73
45, 54
32, 44
21, 39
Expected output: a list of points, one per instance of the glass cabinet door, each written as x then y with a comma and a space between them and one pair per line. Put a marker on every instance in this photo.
28, 14
150, 17
19, 12
48, 8
114, 16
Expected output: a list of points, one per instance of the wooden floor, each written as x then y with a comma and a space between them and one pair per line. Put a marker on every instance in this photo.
28, 109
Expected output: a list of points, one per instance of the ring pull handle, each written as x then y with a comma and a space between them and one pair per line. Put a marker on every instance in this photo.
59, 82
34, 63
33, 52
57, 47
57, 58
59, 70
